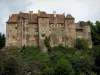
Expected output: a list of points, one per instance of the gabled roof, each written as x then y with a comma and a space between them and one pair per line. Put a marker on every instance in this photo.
33, 17
42, 14
69, 16
51, 18
13, 18
60, 18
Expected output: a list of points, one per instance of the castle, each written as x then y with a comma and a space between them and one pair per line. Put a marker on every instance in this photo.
32, 28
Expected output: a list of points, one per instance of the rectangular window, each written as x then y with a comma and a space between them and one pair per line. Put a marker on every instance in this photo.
27, 37
15, 27
26, 28
36, 29
62, 39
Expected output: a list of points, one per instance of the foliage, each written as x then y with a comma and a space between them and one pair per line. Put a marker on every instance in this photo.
95, 32
81, 44
29, 60
62, 61
2, 40
96, 55
8, 65
47, 44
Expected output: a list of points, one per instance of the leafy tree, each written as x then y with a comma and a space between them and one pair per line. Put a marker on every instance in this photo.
80, 64
96, 55
98, 27
95, 32
47, 44
11, 67
63, 67
2, 40
81, 44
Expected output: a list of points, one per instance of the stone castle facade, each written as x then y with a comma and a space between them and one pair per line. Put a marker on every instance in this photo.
32, 28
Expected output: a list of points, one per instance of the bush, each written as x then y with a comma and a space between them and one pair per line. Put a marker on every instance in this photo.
81, 44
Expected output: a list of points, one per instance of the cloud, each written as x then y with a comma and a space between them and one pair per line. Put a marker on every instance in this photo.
80, 9
8, 7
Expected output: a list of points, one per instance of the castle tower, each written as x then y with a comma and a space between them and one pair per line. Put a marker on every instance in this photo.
70, 30
87, 34
43, 24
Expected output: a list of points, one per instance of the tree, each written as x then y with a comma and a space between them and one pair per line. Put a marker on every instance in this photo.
63, 67
2, 40
47, 44
95, 32
96, 55
81, 44
98, 27
10, 67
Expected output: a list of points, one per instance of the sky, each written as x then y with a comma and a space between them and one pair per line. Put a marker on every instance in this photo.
81, 10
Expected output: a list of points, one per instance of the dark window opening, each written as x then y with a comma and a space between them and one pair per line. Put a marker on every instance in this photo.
26, 28
62, 39
62, 30
36, 29
27, 37
13, 37
42, 18
43, 35
15, 27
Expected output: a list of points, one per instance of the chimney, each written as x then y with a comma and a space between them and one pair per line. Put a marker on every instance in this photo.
31, 12
54, 12
9, 16
64, 14
20, 12
39, 12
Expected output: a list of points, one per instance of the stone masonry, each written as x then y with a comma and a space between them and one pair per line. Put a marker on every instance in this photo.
32, 28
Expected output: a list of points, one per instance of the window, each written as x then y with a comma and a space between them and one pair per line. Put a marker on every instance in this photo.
26, 28
59, 25
62, 39
15, 27
43, 35
54, 26
62, 25
13, 37
36, 29
43, 25
27, 37
62, 30
10, 30
42, 18
43, 31
8, 36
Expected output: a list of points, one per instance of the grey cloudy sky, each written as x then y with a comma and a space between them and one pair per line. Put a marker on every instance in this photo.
80, 9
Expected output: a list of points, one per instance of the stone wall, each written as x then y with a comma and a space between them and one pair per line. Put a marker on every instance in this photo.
11, 34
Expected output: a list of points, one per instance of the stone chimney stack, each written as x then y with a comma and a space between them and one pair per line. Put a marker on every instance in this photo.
54, 12
31, 12
39, 12
9, 16
64, 14
20, 12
